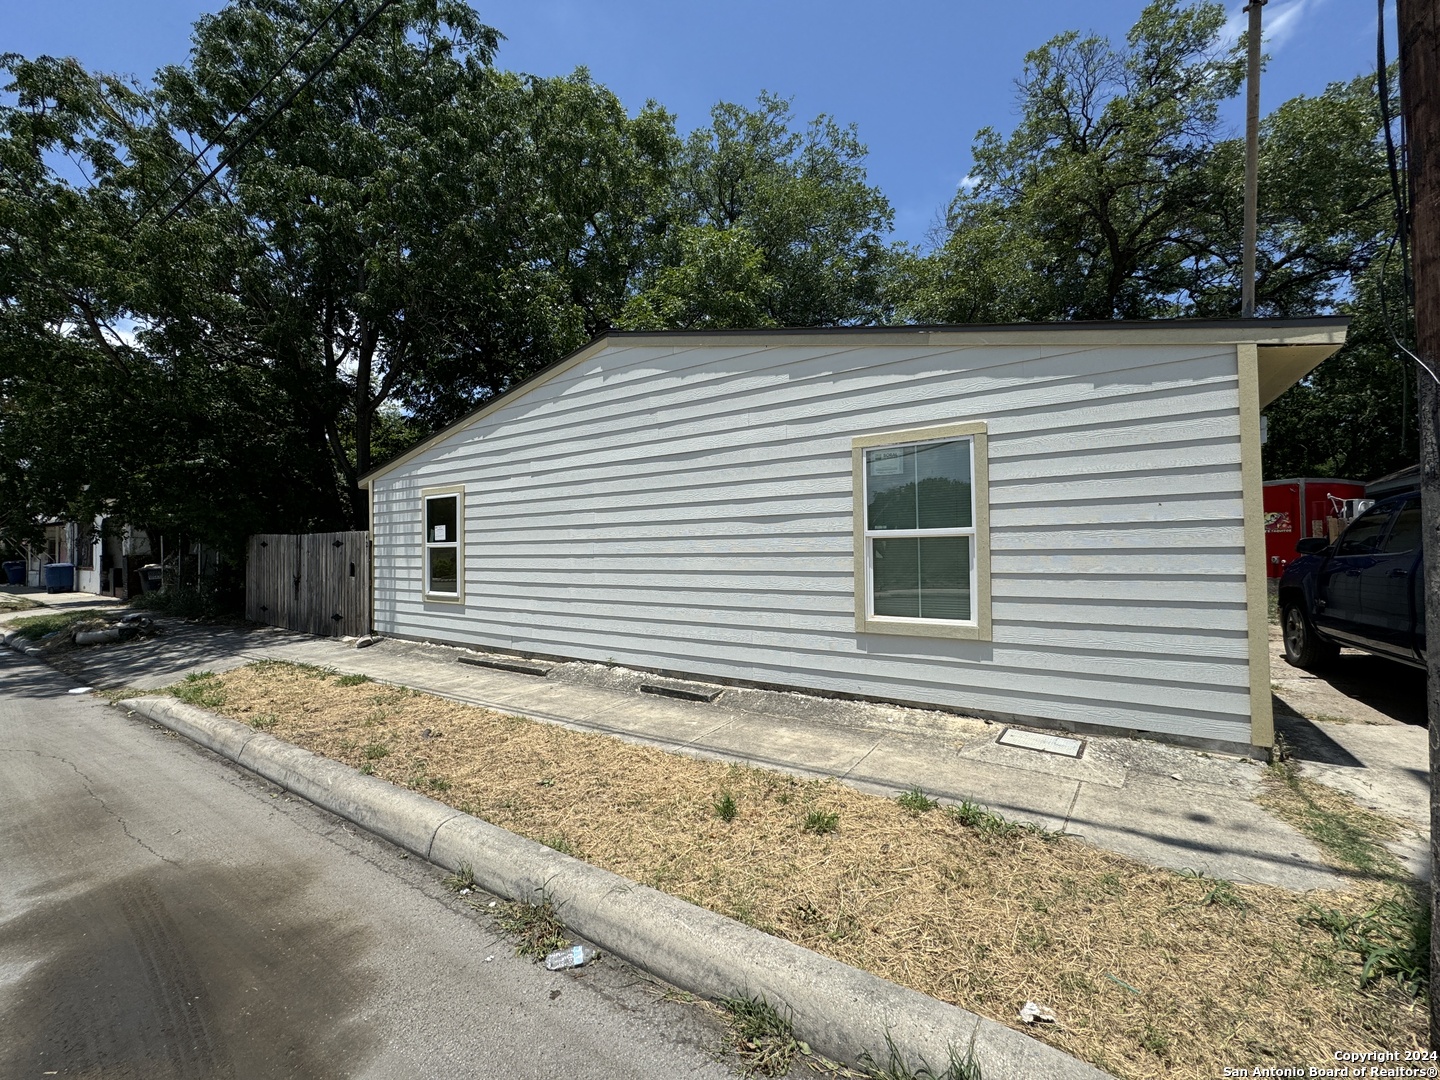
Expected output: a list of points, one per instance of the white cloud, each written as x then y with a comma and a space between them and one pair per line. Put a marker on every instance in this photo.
1279, 21
968, 183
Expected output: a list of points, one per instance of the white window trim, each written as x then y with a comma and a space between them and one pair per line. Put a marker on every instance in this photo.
426, 494
978, 627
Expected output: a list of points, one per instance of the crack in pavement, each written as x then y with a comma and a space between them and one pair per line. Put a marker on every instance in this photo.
87, 783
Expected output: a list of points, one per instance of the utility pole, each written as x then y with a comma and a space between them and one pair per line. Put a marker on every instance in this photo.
1252, 159
1419, 24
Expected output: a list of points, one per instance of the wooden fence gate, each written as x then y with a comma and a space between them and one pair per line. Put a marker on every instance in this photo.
317, 583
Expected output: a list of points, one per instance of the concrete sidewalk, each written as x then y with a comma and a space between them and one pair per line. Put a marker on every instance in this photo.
1163, 805
63, 600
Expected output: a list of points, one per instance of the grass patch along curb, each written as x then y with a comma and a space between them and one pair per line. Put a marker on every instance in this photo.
1151, 973
844, 1012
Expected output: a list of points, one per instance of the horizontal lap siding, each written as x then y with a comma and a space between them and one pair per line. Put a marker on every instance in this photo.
689, 509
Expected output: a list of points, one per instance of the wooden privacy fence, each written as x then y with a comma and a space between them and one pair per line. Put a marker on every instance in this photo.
317, 583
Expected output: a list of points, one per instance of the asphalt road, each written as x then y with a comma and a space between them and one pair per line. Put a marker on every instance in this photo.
164, 914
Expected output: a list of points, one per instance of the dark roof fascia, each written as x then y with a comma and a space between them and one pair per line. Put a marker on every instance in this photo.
1317, 322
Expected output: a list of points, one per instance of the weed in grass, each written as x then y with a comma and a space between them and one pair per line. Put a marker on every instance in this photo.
988, 823
821, 822
764, 1037
352, 680
200, 688
560, 843
1392, 939
725, 807
1155, 1040
916, 802
376, 751
1281, 751
438, 783
536, 927
367, 769
1222, 893
1033, 940
263, 721
959, 1067
463, 878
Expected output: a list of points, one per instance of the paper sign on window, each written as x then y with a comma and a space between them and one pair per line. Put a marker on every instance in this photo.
439, 533
887, 462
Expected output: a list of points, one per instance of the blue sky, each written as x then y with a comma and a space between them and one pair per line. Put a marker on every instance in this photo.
917, 77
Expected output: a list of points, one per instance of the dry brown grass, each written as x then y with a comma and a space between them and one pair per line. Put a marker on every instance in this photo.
1152, 973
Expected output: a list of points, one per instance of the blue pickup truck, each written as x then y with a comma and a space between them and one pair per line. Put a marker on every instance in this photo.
1365, 591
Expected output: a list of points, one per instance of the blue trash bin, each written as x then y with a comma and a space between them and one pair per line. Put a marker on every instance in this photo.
60, 577
14, 572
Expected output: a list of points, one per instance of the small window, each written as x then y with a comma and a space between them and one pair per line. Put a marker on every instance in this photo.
444, 514
921, 550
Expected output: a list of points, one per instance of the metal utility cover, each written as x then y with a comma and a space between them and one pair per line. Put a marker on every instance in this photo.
1047, 744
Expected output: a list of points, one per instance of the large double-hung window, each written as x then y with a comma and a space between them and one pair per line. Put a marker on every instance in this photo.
921, 524
444, 514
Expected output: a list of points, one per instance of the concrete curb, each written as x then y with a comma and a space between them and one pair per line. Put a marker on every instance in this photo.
841, 1011
20, 643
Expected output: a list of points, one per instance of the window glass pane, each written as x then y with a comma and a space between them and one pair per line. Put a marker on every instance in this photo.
440, 520
895, 573
1363, 535
1405, 533
443, 570
890, 484
945, 577
943, 472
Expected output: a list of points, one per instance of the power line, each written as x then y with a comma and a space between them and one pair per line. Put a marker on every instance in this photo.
284, 104
243, 110
1402, 213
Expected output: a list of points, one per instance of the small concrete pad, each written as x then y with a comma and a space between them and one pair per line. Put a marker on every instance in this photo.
1089, 769
1045, 744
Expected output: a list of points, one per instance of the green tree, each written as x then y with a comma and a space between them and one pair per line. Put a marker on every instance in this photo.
1116, 196
1083, 212
768, 226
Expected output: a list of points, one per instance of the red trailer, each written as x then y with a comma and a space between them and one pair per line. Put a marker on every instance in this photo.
1305, 507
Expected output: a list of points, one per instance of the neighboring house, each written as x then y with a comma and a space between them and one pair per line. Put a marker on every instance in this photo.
1057, 524
104, 555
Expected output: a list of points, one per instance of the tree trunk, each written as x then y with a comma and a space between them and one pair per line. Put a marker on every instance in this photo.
1419, 23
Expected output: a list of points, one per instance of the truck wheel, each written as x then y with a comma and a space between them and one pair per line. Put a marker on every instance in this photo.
1303, 647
